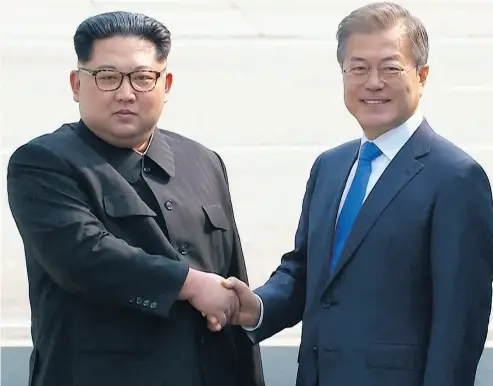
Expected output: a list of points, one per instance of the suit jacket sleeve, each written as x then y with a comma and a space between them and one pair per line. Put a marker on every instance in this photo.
73, 247
284, 294
461, 266
250, 371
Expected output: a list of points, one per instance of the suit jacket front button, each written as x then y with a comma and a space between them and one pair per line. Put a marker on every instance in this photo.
327, 303
183, 249
168, 205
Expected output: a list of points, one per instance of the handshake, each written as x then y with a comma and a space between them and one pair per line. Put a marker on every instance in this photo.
222, 301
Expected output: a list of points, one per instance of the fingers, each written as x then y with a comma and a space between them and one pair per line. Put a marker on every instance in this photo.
226, 307
226, 283
231, 314
214, 324
234, 310
214, 327
242, 289
230, 282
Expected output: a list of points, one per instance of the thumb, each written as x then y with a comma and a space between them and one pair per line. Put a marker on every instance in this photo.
230, 282
235, 284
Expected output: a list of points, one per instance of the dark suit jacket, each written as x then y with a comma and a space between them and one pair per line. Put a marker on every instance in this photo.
109, 236
409, 302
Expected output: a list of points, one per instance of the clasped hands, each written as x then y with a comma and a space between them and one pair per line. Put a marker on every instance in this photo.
222, 301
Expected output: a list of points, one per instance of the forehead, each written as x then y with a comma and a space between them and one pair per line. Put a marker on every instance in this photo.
379, 45
123, 52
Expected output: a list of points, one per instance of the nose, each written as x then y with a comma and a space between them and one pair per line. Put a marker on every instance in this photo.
125, 93
374, 81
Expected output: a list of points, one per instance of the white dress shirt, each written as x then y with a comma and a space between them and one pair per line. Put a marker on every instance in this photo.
390, 143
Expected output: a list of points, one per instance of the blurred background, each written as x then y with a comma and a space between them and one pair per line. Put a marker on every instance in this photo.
257, 81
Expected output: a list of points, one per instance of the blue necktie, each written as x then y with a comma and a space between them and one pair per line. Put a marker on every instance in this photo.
354, 200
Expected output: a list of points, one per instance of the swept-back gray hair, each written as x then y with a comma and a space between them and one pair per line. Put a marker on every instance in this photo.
382, 16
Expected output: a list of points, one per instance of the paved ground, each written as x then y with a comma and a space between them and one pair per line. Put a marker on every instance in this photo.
15, 360
256, 80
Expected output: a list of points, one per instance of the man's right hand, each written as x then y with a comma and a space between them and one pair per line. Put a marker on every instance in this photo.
205, 292
248, 312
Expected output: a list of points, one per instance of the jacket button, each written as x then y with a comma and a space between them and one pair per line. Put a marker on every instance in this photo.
183, 249
168, 205
145, 303
314, 348
147, 169
326, 303
138, 301
153, 305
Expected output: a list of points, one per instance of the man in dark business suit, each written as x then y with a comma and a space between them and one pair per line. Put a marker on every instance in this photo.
392, 268
128, 230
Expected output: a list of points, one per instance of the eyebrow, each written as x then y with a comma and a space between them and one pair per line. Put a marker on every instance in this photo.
359, 59
112, 67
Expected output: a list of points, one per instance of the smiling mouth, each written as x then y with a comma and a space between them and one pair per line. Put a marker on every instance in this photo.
375, 101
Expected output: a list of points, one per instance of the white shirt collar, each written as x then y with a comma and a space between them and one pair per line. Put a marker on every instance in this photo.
148, 145
392, 141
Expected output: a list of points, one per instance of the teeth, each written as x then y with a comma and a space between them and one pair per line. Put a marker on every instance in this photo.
373, 102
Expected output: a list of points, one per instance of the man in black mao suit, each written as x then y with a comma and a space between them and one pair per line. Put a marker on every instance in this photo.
128, 230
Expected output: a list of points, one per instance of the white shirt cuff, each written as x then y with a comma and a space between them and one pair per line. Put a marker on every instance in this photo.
260, 319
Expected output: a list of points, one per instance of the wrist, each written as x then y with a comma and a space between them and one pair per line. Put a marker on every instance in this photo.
255, 315
188, 289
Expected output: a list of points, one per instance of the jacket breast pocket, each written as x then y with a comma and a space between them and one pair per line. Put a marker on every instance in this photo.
129, 218
121, 205
217, 242
215, 218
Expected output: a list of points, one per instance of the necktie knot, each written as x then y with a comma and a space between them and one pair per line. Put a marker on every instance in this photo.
369, 151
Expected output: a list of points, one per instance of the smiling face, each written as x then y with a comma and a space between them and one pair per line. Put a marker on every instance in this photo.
382, 83
124, 116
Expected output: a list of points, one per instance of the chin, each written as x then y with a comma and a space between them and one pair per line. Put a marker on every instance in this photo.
126, 130
378, 123
131, 127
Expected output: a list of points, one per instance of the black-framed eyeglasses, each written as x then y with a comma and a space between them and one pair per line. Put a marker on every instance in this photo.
111, 80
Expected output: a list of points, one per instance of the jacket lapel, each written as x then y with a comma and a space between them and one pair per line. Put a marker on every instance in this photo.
403, 168
329, 187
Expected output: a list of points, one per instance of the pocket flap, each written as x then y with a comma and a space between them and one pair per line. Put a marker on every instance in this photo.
125, 205
217, 217
394, 356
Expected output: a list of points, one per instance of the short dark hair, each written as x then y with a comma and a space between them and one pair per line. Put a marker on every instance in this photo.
120, 23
